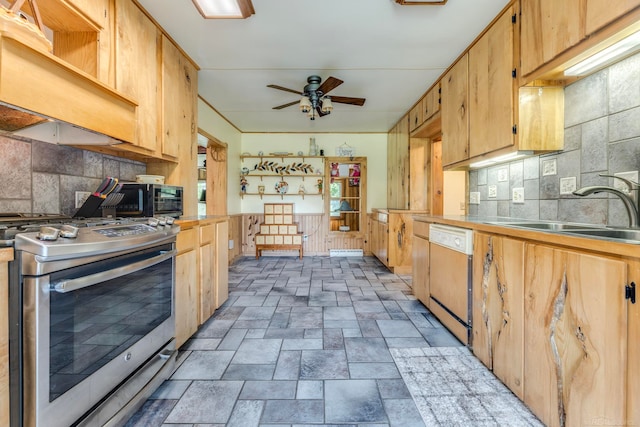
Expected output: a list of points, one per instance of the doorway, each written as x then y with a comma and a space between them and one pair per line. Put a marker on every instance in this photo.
215, 176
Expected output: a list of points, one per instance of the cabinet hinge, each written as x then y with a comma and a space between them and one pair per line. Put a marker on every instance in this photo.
514, 73
630, 292
514, 129
513, 18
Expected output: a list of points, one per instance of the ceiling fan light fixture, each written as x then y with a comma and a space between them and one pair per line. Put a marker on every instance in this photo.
421, 2
225, 9
327, 106
305, 104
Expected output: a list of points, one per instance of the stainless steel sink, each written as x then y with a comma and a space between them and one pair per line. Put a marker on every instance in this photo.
552, 226
628, 235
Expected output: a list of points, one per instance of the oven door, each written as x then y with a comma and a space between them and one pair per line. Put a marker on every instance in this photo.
88, 328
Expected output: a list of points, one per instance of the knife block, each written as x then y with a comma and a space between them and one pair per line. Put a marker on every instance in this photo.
90, 207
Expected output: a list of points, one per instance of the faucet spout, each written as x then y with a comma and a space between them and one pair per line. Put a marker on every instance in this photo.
629, 204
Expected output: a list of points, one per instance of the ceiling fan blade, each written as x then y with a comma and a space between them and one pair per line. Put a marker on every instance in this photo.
348, 100
329, 84
280, 107
285, 89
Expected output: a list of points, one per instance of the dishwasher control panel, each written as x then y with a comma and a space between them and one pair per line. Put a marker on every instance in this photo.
457, 239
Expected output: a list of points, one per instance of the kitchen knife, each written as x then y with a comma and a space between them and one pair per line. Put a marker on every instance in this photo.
110, 187
103, 185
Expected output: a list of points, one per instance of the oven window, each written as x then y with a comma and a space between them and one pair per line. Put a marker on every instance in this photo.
92, 326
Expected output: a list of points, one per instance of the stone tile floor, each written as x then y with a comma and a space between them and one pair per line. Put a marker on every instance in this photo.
321, 341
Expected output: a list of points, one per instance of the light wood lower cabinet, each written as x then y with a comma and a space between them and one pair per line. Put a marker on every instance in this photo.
221, 274
207, 271
186, 292
391, 238
6, 255
498, 291
575, 334
420, 267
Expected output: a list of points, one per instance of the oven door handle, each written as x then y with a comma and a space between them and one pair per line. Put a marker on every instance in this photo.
71, 285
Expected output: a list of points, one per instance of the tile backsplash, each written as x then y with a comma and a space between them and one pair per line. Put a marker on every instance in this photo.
38, 177
602, 136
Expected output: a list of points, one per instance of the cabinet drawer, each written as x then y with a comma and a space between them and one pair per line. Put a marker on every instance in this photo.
207, 234
186, 240
421, 229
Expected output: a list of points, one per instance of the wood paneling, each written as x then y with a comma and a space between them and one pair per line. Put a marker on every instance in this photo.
235, 234
221, 262
419, 162
312, 225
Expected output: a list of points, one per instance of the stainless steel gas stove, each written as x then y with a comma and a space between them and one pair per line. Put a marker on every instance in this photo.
91, 317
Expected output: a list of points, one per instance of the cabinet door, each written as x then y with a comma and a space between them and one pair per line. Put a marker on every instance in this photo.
455, 115
420, 269
431, 103
415, 116
221, 274
206, 279
548, 28
179, 94
498, 292
491, 88
603, 12
186, 303
575, 336
137, 68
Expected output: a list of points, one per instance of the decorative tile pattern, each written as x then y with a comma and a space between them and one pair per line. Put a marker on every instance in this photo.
298, 344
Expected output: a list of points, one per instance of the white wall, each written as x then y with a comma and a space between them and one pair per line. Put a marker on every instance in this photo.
215, 125
371, 146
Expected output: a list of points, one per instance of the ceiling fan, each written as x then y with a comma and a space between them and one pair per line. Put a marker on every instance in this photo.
315, 99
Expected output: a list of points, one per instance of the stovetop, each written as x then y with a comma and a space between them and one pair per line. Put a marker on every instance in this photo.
65, 230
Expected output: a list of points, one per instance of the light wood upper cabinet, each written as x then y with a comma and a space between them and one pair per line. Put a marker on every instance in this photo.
455, 112
498, 292
137, 68
548, 28
575, 318
431, 102
491, 88
179, 94
603, 12
415, 116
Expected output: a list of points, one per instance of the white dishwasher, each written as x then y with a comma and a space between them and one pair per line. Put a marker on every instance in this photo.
450, 257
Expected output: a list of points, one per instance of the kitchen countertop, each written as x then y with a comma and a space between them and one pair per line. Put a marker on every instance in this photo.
191, 221
492, 225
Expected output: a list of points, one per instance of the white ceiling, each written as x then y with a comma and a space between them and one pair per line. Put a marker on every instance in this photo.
384, 52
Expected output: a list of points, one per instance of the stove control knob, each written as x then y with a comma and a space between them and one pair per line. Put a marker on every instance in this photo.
170, 220
69, 231
153, 222
162, 221
48, 233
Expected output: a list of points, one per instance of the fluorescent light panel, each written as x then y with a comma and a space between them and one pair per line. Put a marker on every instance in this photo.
624, 47
501, 159
211, 9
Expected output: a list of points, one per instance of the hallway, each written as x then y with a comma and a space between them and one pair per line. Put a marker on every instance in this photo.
326, 341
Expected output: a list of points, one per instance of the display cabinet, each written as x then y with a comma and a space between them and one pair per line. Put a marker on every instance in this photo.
346, 189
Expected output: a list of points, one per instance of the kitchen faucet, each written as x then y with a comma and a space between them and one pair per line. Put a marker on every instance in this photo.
633, 209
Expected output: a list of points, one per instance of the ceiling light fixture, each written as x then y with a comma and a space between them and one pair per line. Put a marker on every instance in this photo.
421, 2
221, 9
616, 51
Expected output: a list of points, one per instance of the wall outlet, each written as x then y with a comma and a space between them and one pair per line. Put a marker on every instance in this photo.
305, 238
81, 196
231, 244
568, 185
474, 197
631, 176
517, 195
492, 192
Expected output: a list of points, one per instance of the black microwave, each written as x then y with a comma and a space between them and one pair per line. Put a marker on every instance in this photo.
148, 200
